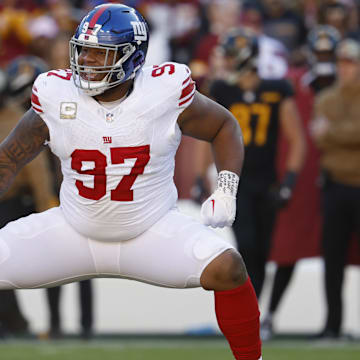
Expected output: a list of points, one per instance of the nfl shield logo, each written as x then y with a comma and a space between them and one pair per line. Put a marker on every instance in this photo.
109, 117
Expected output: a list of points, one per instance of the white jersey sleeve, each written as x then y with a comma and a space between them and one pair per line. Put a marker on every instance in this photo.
176, 82
46, 89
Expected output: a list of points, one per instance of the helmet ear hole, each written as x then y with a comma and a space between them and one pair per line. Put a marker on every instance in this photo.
139, 59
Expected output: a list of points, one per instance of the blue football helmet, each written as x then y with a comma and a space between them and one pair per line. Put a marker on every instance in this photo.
115, 28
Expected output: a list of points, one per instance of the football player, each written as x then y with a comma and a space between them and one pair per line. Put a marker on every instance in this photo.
116, 127
263, 108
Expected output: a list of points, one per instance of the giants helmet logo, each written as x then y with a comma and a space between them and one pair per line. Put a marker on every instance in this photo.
139, 30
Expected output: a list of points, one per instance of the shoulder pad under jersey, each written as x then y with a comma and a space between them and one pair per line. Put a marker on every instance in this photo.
47, 87
172, 82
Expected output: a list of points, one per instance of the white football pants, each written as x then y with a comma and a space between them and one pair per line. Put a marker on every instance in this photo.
43, 250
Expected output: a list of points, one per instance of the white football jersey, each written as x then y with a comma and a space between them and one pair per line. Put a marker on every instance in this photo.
118, 165
272, 62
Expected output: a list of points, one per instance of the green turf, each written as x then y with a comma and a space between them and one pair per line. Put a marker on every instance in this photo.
168, 350
310, 353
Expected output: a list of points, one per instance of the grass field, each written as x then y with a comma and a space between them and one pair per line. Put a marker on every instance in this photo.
213, 349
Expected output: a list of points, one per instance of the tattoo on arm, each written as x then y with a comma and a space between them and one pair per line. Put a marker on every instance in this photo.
24, 143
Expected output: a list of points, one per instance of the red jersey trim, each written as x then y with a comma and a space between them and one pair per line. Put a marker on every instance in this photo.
188, 100
35, 99
35, 102
186, 91
186, 80
36, 108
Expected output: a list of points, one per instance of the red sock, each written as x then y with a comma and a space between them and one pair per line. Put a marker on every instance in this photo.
238, 315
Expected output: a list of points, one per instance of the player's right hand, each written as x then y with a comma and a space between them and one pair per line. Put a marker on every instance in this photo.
280, 196
218, 210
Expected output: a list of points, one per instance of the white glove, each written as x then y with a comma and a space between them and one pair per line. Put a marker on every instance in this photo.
220, 208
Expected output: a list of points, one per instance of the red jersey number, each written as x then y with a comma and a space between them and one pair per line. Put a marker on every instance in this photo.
123, 190
160, 70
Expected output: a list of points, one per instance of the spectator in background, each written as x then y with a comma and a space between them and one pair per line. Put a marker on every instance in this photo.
59, 19
158, 16
342, 15
273, 55
336, 130
30, 26
14, 34
63, 14
221, 16
285, 25
43, 31
207, 64
187, 29
321, 73
262, 108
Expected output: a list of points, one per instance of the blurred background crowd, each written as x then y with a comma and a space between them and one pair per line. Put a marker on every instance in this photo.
34, 36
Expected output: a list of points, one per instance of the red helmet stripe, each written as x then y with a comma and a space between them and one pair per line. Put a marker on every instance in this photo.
95, 18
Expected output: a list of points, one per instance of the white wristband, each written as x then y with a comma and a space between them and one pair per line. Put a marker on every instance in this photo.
228, 182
